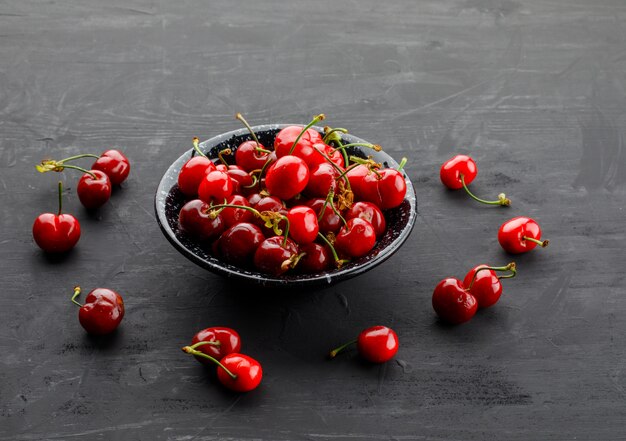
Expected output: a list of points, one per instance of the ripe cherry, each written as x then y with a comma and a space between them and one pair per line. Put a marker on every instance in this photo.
303, 226
371, 213
114, 164
237, 372
238, 244
452, 302
328, 219
102, 312
356, 238
298, 141
216, 341
315, 258
386, 188
287, 177
377, 344
520, 234
250, 155
459, 171
94, 189
192, 173
322, 179
323, 153
276, 255
234, 216
56, 233
484, 284
194, 219
215, 187
356, 175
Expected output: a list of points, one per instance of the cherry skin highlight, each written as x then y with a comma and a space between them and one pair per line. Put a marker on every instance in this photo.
56, 233
451, 171
247, 370
356, 238
114, 164
287, 177
377, 344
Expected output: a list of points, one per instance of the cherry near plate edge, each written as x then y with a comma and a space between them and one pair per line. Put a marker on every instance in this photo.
406, 213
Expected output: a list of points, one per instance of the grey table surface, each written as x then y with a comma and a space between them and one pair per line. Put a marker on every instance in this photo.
534, 90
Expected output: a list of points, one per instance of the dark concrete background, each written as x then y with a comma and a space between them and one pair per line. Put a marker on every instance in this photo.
534, 90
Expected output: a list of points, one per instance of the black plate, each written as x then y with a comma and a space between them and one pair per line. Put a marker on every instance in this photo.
169, 200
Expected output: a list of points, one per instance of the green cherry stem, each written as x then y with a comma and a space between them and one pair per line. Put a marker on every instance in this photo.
339, 262
191, 351
541, 243
245, 123
402, 164
315, 120
329, 132
335, 166
335, 351
502, 199
60, 198
196, 147
510, 267
221, 154
271, 218
76, 294
72, 158
204, 343
374, 147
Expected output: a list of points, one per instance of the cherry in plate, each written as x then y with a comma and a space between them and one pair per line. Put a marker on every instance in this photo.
377, 344
287, 177
356, 238
195, 219
520, 234
303, 226
56, 233
276, 255
102, 311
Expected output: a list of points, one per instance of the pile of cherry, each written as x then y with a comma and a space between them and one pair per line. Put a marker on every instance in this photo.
58, 233
457, 301
301, 204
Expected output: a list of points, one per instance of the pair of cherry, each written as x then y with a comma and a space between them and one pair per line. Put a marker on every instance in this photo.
457, 301
58, 233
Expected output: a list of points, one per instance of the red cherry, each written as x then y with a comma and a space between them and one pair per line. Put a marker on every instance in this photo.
94, 191
303, 227
315, 259
369, 212
56, 233
217, 342
248, 157
242, 181
484, 284
287, 177
194, 219
520, 234
246, 370
304, 148
192, 173
215, 187
238, 244
377, 344
453, 303
385, 189
322, 179
356, 175
234, 216
254, 198
329, 221
356, 238
453, 168
114, 164
102, 312
275, 255
322, 154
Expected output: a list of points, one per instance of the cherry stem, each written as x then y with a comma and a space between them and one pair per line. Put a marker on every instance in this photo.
191, 351
338, 261
265, 217
502, 199
254, 182
329, 198
315, 120
510, 267
402, 164
60, 198
542, 243
76, 294
334, 352
245, 123
72, 158
330, 131
84, 170
221, 154
204, 343
335, 166
374, 147
196, 147
369, 163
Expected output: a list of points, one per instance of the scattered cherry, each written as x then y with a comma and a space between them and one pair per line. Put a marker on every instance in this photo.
102, 312
56, 233
94, 189
453, 303
484, 284
377, 344
216, 341
115, 164
520, 234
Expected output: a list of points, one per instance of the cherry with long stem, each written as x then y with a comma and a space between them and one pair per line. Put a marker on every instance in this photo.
252, 134
339, 262
196, 147
59, 166
192, 351
511, 267
502, 199
315, 120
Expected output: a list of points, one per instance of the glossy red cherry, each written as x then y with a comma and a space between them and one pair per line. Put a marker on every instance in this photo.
269, 203
192, 173
238, 244
328, 219
215, 187
386, 188
287, 177
244, 372
56, 233
303, 226
217, 342
520, 234
102, 312
195, 219
94, 189
284, 140
459, 171
356, 175
322, 179
323, 153
315, 258
484, 284
356, 238
276, 255
453, 303
242, 181
371, 213
249, 156
234, 216
377, 344
451, 171
114, 164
